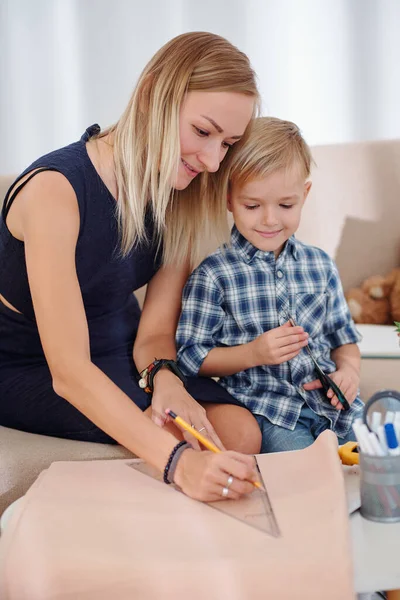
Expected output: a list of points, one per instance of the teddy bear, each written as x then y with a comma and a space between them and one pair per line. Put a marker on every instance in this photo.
377, 301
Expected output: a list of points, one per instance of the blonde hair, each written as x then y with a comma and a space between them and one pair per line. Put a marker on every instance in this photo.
147, 146
271, 144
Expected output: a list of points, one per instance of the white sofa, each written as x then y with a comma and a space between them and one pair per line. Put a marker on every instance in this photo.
352, 213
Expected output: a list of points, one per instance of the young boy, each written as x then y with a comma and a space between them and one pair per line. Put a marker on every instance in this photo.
237, 305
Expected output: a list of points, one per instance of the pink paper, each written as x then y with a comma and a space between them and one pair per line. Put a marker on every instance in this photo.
103, 531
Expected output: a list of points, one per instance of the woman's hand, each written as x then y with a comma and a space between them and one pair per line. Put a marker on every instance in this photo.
204, 475
170, 393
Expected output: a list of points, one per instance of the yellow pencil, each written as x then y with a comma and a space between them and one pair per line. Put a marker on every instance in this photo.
203, 440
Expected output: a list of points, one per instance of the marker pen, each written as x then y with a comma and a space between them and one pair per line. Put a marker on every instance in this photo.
375, 420
382, 438
393, 444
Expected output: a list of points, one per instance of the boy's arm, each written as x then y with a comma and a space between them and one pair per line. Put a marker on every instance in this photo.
221, 362
199, 335
347, 356
201, 319
273, 347
339, 327
343, 336
198, 332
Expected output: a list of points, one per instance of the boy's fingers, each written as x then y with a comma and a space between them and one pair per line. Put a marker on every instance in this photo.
298, 340
312, 385
289, 356
284, 330
335, 403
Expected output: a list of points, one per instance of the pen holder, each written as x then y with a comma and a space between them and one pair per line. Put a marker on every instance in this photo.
380, 487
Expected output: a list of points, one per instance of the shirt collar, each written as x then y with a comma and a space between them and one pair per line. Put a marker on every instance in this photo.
248, 251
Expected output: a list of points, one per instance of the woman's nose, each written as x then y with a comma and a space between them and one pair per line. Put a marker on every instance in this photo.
211, 157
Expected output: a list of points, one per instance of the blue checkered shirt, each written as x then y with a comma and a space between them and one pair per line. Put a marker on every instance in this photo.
238, 293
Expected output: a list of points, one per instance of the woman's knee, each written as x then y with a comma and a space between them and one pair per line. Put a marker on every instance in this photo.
236, 427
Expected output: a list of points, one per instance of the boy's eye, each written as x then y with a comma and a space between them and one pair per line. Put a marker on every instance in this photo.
287, 205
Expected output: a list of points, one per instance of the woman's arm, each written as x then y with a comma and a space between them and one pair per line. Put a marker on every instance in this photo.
161, 308
156, 339
49, 219
48, 222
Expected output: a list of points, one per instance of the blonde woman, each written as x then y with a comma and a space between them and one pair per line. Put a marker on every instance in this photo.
84, 227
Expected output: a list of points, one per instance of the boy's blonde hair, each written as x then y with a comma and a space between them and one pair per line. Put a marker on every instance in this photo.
147, 146
272, 144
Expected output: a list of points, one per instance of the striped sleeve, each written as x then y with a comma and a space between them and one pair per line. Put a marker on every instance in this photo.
339, 327
201, 318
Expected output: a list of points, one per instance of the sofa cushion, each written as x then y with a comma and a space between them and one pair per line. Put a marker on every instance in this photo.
24, 455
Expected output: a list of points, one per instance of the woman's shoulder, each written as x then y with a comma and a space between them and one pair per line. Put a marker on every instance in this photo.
67, 160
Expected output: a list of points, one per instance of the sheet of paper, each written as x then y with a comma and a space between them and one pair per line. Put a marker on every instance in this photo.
99, 530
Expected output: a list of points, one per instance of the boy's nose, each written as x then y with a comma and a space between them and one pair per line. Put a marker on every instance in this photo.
269, 217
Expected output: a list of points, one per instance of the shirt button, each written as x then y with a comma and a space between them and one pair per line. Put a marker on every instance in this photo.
279, 274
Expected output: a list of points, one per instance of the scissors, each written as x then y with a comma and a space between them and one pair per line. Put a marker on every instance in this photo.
326, 381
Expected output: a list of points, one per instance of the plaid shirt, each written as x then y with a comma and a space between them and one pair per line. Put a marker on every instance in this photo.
238, 293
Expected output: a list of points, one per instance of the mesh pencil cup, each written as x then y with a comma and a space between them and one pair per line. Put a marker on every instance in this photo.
380, 487
380, 475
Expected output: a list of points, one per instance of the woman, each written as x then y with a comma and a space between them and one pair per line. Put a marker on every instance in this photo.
85, 226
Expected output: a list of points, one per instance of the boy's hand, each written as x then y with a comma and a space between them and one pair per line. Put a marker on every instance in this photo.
347, 378
279, 345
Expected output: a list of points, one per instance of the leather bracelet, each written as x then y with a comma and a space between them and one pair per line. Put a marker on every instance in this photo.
147, 375
171, 465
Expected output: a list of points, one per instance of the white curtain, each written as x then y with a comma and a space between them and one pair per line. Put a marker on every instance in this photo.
332, 66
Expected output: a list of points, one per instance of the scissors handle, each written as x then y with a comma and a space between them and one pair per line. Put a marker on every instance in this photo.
326, 381
338, 392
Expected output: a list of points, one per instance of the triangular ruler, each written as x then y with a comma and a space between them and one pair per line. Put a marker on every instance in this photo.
254, 510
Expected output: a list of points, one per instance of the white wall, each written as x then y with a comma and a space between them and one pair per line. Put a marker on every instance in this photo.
330, 65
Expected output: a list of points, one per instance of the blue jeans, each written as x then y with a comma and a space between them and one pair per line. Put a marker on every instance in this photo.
278, 439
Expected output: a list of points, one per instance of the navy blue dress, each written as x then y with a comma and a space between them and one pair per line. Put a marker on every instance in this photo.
107, 280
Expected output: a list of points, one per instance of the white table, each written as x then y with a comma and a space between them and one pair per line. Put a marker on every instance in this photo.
376, 546
376, 556
379, 341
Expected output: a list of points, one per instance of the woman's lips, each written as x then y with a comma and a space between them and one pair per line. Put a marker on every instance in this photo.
189, 169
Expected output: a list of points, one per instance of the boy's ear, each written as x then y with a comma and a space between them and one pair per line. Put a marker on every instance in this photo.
228, 202
307, 188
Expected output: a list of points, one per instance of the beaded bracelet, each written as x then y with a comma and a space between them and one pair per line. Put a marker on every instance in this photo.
170, 467
144, 377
